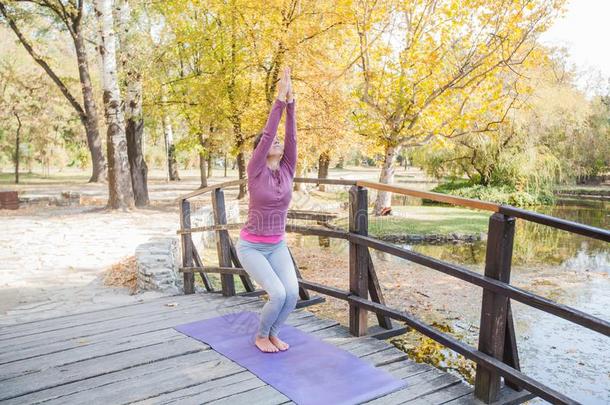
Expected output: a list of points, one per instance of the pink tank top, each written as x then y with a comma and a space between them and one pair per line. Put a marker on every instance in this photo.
250, 237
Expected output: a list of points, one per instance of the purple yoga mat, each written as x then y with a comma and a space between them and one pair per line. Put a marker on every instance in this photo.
311, 371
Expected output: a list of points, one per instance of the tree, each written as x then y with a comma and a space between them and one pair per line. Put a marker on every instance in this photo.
227, 57
431, 68
33, 120
13, 99
70, 15
211, 83
170, 146
156, 106
313, 38
120, 191
554, 135
130, 64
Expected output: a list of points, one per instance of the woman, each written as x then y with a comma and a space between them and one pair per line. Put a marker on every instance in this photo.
261, 247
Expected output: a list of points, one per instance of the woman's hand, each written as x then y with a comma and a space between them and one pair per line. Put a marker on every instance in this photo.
285, 86
289, 93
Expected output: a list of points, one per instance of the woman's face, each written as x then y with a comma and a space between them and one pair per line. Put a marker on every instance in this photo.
277, 149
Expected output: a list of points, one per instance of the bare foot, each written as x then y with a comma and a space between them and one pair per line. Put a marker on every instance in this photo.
265, 344
280, 344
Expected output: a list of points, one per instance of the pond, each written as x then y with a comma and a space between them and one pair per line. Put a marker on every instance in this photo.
555, 264
565, 356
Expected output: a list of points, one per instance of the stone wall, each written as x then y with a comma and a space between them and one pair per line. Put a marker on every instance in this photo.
64, 199
157, 263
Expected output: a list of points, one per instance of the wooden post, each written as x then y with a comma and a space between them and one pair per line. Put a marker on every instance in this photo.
494, 307
187, 249
358, 259
511, 353
375, 291
223, 244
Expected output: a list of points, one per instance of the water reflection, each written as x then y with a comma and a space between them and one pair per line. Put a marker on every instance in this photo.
537, 244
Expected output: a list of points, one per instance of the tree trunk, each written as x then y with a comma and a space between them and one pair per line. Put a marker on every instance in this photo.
133, 132
209, 161
171, 154
241, 160
202, 170
323, 164
203, 155
299, 173
120, 191
94, 140
134, 128
241, 166
226, 163
17, 145
208, 148
384, 198
168, 133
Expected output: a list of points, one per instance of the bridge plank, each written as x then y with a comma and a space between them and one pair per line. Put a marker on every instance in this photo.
156, 306
91, 332
506, 396
69, 351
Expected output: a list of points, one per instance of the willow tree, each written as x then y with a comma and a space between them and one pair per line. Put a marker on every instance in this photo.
549, 139
69, 16
120, 191
433, 68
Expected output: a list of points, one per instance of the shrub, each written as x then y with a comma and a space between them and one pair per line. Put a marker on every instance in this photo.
498, 194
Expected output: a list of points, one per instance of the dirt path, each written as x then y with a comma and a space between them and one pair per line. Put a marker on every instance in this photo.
52, 260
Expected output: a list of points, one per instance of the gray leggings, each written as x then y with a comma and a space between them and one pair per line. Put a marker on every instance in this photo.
270, 265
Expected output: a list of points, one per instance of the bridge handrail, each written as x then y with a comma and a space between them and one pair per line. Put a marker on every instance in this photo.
532, 216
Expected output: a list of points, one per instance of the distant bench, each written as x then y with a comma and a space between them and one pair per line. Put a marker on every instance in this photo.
9, 200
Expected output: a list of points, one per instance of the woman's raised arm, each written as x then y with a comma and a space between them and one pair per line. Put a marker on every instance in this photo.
289, 159
258, 160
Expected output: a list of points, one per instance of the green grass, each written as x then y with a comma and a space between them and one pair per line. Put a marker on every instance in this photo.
425, 220
38, 178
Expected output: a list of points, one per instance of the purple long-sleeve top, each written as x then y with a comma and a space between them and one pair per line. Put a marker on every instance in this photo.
271, 190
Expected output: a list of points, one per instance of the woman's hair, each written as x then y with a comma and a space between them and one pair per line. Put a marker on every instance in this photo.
257, 139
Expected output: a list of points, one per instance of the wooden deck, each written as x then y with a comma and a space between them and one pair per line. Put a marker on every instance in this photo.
131, 354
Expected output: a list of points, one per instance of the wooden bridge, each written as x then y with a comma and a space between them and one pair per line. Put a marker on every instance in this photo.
131, 354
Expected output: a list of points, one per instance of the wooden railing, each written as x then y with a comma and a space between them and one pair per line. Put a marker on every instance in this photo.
497, 353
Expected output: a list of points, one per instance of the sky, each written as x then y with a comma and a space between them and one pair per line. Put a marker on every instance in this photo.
585, 31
